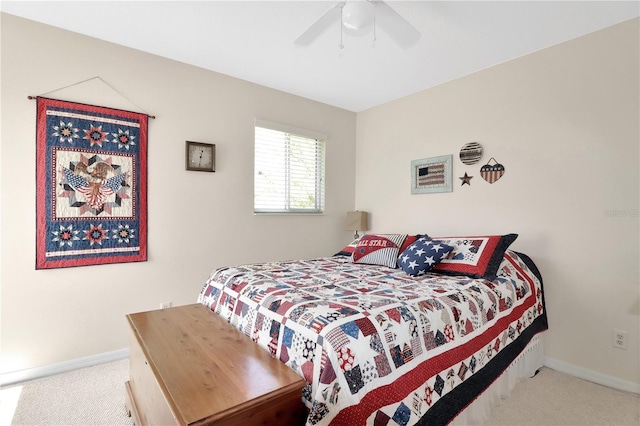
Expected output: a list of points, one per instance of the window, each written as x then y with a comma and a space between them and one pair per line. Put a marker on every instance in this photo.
288, 170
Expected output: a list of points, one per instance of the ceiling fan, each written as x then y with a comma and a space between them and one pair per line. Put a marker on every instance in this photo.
356, 16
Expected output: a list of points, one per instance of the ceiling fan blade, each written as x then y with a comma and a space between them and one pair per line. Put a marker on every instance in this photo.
398, 28
329, 17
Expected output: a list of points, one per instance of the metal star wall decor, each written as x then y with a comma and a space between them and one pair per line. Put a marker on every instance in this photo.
466, 179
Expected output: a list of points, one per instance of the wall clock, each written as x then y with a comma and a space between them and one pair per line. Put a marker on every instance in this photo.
200, 157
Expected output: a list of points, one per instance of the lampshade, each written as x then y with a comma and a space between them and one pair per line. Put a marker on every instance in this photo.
357, 14
357, 221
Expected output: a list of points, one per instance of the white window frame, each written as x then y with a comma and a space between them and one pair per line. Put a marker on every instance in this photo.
286, 206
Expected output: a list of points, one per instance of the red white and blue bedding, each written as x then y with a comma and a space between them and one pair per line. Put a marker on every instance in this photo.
378, 346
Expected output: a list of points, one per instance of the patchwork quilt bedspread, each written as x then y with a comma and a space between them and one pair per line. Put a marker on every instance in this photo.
377, 346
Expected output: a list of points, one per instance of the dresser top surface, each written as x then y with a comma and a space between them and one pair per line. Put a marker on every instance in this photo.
206, 366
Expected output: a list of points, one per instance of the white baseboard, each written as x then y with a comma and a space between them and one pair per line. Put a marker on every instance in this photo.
592, 376
62, 367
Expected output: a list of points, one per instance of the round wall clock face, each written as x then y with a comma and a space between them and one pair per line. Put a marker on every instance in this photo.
471, 153
200, 156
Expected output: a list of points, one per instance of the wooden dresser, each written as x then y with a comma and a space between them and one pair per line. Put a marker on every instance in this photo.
188, 366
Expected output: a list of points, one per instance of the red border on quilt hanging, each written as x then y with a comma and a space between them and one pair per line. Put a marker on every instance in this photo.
91, 185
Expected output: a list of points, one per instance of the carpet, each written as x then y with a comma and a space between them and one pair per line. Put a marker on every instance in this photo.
88, 396
96, 396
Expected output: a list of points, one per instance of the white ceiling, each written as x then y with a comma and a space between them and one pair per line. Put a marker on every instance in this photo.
253, 40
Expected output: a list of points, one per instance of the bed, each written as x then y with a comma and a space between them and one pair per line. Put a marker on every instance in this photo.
384, 338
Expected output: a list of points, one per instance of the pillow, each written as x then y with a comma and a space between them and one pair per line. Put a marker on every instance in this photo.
408, 241
378, 249
422, 255
348, 250
477, 257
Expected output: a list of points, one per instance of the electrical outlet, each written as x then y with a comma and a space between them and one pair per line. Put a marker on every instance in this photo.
620, 339
165, 305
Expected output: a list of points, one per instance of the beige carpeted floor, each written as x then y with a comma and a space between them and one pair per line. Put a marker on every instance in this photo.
554, 398
89, 396
95, 396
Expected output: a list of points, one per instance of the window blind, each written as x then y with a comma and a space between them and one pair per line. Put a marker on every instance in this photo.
288, 171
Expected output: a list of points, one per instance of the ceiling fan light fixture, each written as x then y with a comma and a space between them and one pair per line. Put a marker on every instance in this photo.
357, 14
356, 17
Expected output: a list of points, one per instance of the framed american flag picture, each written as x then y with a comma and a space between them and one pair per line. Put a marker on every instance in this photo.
431, 175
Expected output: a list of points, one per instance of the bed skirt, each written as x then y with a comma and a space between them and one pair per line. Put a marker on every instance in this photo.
524, 366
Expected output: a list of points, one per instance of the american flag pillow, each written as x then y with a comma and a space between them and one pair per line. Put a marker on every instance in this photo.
378, 249
422, 255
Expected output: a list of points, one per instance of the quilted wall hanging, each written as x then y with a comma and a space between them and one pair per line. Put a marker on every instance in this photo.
91, 185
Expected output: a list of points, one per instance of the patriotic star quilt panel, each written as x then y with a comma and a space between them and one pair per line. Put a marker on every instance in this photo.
378, 346
91, 185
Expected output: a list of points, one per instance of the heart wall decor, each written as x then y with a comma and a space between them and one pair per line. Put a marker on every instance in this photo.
492, 172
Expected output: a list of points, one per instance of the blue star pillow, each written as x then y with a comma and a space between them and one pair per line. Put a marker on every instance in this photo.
423, 255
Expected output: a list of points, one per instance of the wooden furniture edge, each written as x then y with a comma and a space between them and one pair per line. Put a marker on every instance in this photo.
170, 403
261, 401
130, 403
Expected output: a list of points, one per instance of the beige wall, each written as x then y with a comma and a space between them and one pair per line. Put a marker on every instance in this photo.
565, 124
197, 221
